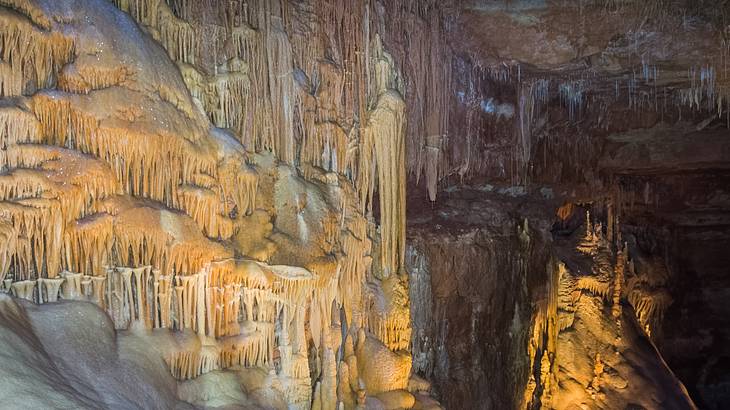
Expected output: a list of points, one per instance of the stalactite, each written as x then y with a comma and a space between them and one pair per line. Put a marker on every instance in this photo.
385, 133
88, 244
343, 29
571, 95
141, 284
282, 90
594, 285
293, 283
195, 83
240, 183
250, 46
153, 163
325, 146
29, 55
424, 57
39, 221
247, 350
382, 148
567, 298
144, 11
325, 294
84, 79
389, 314
533, 97
143, 236
203, 206
98, 284
394, 332
176, 35
649, 305
8, 243
232, 89
124, 206
357, 248
17, 126
430, 73
78, 181
163, 289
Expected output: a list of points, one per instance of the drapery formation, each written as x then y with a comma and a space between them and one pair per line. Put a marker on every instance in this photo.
132, 182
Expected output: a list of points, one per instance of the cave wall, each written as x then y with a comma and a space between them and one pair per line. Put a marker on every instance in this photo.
478, 282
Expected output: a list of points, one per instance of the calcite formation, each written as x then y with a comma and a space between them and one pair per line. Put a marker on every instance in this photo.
208, 191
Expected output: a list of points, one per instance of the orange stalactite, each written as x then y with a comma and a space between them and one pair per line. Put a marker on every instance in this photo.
84, 79
17, 126
566, 211
177, 36
28, 54
88, 244
8, 244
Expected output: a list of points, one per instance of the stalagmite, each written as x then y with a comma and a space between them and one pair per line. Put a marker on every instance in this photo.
71, 288
618, 281
141, 284
51, 287
98, 285
165, 290
127, 305
433, 154
24, 289
329, 373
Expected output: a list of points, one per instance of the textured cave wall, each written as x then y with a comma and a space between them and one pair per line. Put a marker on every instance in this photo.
695, 337
537, 86
621, 105
477, 281
686, 241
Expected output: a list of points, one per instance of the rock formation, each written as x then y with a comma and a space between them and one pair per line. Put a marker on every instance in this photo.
341, 204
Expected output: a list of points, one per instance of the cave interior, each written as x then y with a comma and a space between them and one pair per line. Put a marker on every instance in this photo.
364, 204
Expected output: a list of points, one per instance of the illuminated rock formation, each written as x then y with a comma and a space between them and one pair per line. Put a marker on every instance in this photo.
341, 204
206, 242
599, 359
